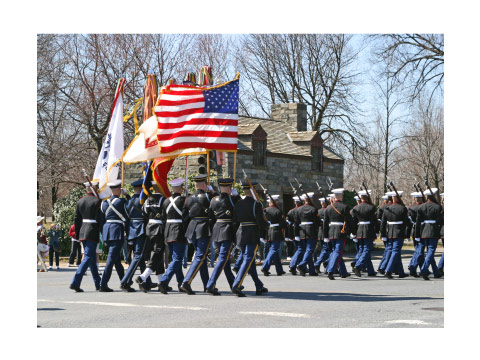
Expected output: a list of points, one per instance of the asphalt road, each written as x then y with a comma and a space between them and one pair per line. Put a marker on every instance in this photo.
292, 301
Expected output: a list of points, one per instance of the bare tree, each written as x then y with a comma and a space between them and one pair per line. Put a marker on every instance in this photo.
313, 69
417, 59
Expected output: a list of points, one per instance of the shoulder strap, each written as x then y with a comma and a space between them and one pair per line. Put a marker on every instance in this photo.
344, 223
172, 203
111, 207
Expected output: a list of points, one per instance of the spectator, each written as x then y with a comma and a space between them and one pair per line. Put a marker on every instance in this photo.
76, 248
42, 247
54, 243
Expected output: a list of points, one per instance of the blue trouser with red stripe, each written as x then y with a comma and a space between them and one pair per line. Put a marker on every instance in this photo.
324, 254
395, 261
431, 245
336, 257
296, 258
364, 259
308, 256
273, 256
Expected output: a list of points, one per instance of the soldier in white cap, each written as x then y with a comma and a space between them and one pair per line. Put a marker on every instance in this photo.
308, 222
325, 252
274, 236
440, 263
427, 228
172, 211
387, 201
393, 230
419, 254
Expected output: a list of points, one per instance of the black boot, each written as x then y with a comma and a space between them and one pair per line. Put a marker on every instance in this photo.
76, 288
357, 272
388, 275
162, 288
330, 276
187, 288
300, 271
238, 292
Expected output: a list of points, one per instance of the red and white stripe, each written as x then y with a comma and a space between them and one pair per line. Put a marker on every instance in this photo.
183, 124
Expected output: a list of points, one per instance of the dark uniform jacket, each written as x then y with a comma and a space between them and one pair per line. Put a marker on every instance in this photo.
221, 214
292, 229
196, 211
248, 214
175, 231
331, 231
307, 214
88, 208
136, 226
441, 230
412, 216
321, 219
364, 213
394, 213
429, 220
153, 209
113, 225
274, 216
380, 214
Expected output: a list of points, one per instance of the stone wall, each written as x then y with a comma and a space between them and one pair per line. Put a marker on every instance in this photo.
294, 114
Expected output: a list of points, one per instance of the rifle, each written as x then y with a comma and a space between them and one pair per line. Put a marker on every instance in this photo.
396, 192
419, 189
330, 184
253, 191
268, 194
295, 191
90, 183
356, 194
306, 195
368, 194
431, 192
322, 193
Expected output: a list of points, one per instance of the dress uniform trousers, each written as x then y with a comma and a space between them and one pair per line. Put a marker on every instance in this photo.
307, 259
418, 255
113, 259
386, 255
431, 245
89, 261
248, 266
395, 262
273, 256
298, 256
138, 260
199, 262
157, 261
177, 249
239, 261
223, 263
324, 254
365, 258
336, 259
440, 263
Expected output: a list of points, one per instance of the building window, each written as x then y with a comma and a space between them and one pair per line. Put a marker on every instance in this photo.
259, 152
317, 159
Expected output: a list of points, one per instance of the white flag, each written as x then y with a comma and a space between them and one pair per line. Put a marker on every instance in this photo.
109, 159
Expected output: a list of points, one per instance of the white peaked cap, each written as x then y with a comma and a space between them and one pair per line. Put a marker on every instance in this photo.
364, 192
416, 194
393, 193
322, 199
331, 195
93, 183
338, 191
442, 194
275, 197
40, 218
114, 183
177, 182
310, 194
303, 197
427, 192
356, 197
385, 197
296, 198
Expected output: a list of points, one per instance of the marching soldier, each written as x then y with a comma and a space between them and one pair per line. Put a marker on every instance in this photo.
336, 226
136, 237
427, 227
299, 243
440, 263
172, 211
154, 232
419, 253
221, 212
274, 236
87, 230
307, 221
198, 233
366, 226
248, 214
387, 201
393, 230
290, 230
325, 252
115, 221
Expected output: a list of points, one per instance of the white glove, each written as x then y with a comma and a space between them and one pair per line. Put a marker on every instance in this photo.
288, 239
262, 240
326, 240
352, 236
130, 242
417, 239
234, 192
355, 240
384, 239
297, 238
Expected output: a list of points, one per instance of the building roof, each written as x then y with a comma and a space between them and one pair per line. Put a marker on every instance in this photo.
281, 138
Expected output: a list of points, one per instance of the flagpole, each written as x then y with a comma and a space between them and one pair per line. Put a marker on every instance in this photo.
122, 176
208, 167
234, 165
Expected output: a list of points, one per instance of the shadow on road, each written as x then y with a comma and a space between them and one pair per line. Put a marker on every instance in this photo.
49, 309
341, 297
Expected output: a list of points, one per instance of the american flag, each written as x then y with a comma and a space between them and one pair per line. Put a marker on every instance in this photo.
198, 117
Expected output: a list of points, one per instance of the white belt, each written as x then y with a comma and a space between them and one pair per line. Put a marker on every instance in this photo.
274, 225
364, 223
89, 221
174, 220
155, 221
429, 222
306, 223
136, 219
115, 221
336, 223
394, 222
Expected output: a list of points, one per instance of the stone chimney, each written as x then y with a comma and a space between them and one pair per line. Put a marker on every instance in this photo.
295, 114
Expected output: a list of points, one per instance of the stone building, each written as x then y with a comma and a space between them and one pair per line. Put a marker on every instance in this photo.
273, 152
